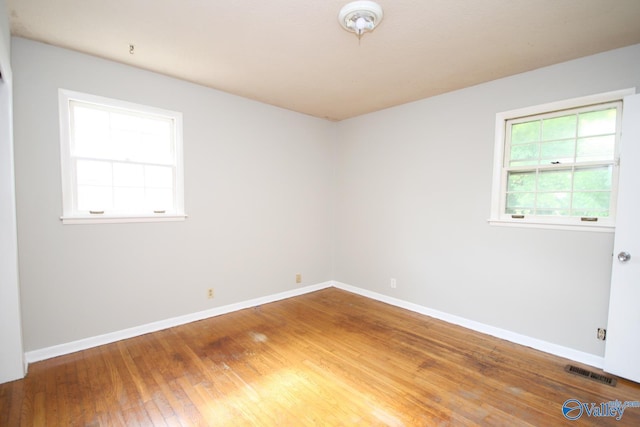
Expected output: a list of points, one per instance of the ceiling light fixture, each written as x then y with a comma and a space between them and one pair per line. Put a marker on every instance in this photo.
360, 16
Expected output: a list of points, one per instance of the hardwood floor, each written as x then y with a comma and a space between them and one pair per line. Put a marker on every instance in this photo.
325, 358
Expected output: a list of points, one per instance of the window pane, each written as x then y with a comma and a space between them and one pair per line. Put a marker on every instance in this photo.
157, 148
525, 132
128, 175
159, 199
93, 198
139, 139
519, 211
596, 148
139, 122
90, 172
559, 128
594, 200
138, 134
158, 176
524, 162
558, 200
554, 212
554, 180
122, 143
521, 200
593, 178
142, 150
558, 151
90, 132
128, 199
526, 151
154, 126
521, 181
124, 122
597, 122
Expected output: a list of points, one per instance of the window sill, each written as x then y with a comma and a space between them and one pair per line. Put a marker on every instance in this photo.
71, 220
601, 228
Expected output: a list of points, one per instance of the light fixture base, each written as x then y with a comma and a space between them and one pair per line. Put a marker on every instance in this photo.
360, 16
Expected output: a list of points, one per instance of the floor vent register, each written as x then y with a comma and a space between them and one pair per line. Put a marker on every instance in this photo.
591, 375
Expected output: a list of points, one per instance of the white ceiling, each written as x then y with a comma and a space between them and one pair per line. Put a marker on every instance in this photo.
294, 54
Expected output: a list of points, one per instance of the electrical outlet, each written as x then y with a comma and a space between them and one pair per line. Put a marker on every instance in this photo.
602, 334
393, 283
298, 278
210, 293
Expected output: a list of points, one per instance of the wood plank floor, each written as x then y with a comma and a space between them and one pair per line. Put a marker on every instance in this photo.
325, 358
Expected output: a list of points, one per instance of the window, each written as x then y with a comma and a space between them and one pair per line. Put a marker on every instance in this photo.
557, 165
121, 162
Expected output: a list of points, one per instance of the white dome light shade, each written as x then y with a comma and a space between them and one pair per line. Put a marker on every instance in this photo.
360, 16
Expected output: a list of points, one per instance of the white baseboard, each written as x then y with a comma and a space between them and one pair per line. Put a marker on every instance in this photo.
83, 344
545, 346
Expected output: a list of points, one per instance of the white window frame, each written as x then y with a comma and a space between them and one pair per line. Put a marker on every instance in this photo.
498, 191
70, 214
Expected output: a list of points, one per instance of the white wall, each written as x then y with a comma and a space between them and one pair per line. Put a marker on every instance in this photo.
11, 359
414, 198
259, 191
